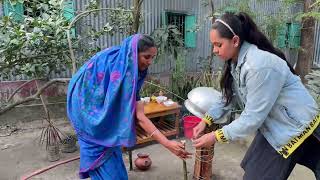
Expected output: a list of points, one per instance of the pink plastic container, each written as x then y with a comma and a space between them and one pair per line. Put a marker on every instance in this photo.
189, 122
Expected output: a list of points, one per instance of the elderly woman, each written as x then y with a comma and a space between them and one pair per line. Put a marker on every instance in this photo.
103, 103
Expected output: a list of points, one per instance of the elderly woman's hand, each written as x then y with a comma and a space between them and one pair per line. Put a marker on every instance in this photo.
177, 148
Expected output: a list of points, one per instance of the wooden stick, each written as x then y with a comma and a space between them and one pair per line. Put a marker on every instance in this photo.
185, 172
203, 160
197, 164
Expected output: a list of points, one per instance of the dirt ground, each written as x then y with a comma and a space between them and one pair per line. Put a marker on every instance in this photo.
20, 154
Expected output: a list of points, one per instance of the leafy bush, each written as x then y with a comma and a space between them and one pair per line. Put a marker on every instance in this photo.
37, 45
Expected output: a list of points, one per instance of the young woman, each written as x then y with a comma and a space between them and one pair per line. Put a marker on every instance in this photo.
103, 103
276, 103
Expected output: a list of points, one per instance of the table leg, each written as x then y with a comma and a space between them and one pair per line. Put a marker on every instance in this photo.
161, 118
130, 159
177, 124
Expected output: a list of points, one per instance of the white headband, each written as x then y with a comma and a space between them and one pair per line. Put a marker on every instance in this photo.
224, 23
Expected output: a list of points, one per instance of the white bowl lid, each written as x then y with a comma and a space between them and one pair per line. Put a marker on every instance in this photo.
192, 108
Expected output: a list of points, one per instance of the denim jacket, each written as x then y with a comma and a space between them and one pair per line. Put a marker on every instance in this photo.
275, 102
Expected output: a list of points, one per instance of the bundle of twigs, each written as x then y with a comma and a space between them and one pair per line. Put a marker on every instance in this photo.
50, 135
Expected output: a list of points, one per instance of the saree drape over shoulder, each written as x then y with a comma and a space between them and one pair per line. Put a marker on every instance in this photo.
101, 105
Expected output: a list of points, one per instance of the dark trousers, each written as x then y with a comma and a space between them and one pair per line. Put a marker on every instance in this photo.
262, 162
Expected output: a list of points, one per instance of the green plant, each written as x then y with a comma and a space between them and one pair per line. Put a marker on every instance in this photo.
208, 77
37, 45
235, 6
268, 23
182, 82
170, 44
120, 20
313, 13
210, 80
169, 41
149, 89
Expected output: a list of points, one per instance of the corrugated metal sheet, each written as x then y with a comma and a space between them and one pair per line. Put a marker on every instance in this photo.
98, 20
152, 10
152, 19
267, 8
316, 59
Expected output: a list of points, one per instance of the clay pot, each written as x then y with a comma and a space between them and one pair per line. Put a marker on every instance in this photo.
68, 145
53, 153
143, 162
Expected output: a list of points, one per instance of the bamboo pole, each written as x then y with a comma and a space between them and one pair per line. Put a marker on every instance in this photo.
185, 171
203, 160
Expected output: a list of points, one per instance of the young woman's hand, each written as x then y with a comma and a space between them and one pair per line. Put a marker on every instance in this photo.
177, 148
199, 129
206, 140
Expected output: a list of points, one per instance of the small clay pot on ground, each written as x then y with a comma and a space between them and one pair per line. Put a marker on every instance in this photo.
68, 145
143, 162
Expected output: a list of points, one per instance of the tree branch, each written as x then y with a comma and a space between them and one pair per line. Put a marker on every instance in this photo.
317, 3
136, 21
35, 96
304, 61
20, 87
22, 60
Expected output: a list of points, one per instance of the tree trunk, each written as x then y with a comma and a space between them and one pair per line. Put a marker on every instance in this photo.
43, 101
136, 15
305, 56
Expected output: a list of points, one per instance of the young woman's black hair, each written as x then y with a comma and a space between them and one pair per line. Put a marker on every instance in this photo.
244, 27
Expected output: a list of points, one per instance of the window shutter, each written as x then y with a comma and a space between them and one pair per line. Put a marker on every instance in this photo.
190, 34
294, 35
68, 10
69, 13
16, 9
164, 18
282, 36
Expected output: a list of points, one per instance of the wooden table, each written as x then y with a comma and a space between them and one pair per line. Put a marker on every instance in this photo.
154, 110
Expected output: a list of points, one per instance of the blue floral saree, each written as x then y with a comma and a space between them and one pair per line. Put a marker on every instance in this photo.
101, 105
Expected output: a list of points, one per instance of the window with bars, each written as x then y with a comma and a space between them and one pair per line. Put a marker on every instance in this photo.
177, 20
184, 23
